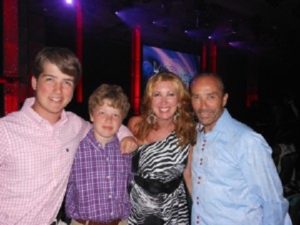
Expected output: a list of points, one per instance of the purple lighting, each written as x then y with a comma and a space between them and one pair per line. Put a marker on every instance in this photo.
197, 33
133, 16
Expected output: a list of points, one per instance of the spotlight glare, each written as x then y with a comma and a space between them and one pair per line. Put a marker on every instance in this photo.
70, 2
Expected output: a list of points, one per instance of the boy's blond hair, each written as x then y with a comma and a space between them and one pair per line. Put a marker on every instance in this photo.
113, 93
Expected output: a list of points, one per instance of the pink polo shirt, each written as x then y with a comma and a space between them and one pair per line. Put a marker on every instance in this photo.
35, 162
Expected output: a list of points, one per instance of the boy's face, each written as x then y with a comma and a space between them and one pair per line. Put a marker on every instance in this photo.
107, 121
54, 90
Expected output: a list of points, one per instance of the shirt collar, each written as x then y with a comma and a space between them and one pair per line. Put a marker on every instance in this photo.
222, 121
93, 139
33, 115
220, 124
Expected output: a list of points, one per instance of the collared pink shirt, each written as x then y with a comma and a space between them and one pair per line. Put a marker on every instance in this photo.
35, 162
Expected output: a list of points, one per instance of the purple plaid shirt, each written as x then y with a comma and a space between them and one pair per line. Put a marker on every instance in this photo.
97, 188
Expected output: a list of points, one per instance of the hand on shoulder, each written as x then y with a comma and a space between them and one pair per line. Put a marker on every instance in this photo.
128, 145
132, 123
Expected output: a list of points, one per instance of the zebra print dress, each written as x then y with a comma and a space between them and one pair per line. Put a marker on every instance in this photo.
159, 162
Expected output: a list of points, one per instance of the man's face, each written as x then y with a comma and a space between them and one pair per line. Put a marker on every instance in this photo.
54, 90
208, 101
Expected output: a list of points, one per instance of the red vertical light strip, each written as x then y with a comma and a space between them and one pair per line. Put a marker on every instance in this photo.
204, 58
79, 47
213, 57
136, 70
11, 54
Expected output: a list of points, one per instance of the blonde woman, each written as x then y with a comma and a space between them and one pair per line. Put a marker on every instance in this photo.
165, 131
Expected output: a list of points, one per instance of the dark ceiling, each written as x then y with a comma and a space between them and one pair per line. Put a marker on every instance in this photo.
252, 25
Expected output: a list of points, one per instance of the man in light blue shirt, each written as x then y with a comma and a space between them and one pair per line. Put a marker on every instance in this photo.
234, 179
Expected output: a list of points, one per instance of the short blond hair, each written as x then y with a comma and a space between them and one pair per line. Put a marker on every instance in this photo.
113, 93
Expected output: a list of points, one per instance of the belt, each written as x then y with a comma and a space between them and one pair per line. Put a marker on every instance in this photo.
156, 187
90, 222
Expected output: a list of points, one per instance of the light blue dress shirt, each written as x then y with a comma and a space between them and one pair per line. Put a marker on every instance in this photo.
235, 181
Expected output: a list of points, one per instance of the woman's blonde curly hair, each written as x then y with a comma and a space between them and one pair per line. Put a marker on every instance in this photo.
184, 122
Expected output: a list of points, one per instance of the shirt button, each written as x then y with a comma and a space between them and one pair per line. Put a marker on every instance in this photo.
108, 177
199, 178
67, 150
109, 196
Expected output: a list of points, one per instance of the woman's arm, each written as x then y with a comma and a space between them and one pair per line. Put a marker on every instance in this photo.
187, 173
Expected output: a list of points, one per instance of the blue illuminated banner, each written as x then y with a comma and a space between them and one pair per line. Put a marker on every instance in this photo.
185, 65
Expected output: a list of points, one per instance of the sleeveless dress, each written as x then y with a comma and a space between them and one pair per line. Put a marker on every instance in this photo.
158, 195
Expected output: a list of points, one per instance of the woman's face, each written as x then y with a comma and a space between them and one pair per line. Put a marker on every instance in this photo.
164, 100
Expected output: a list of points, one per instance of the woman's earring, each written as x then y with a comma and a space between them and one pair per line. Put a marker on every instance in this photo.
175, 117
151, 118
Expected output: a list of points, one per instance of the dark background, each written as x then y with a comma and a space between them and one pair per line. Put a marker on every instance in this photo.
265, 61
